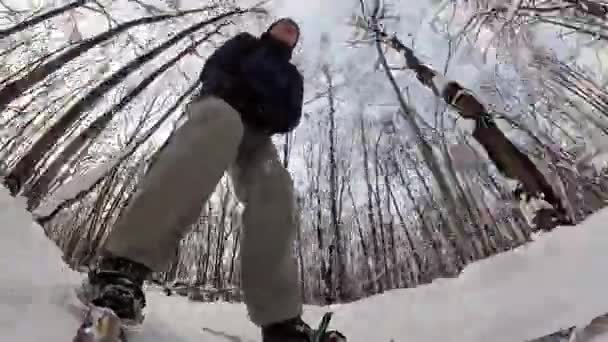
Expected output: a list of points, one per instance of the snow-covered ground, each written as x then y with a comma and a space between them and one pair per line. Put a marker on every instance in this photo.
558, 281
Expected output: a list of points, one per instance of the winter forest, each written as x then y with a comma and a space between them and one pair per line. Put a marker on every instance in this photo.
435, 133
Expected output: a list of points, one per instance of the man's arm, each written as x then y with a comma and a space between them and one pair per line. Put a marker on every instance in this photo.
291, 119
280, 111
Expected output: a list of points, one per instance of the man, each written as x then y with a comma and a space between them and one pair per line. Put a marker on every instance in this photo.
250, 92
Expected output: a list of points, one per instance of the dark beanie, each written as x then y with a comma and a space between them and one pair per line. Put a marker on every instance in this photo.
289, 21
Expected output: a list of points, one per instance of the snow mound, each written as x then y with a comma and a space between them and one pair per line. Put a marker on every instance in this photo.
556, 282
33, 281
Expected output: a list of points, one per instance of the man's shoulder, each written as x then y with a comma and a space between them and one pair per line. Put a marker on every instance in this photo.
246, 36
243, 41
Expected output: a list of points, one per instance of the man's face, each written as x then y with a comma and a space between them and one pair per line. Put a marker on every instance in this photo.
285, 32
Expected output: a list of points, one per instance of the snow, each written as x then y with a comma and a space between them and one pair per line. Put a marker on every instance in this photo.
439, 81
556, 282
463, 156
33, 279
531, 206
465, 125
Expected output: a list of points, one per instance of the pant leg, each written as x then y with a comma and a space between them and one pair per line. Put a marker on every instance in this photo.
269, 269
178, 184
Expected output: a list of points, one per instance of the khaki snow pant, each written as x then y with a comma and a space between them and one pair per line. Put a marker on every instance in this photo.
214, 140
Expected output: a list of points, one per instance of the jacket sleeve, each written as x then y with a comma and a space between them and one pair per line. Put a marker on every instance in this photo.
291, 119
221, 68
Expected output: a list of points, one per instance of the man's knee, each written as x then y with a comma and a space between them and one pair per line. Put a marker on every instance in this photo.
213, 111
261, 177
279, 182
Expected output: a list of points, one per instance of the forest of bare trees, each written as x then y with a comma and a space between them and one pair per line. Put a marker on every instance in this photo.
403, 174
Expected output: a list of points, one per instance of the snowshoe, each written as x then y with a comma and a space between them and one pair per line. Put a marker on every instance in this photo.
100, 325
296, 330
115, 300
116, 284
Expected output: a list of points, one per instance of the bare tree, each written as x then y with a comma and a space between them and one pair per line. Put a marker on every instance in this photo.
26, 167
40, 18
370, 203
35, 192
337, 261
508, 159
16, 88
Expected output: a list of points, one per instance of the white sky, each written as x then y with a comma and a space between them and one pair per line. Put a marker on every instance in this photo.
364, 84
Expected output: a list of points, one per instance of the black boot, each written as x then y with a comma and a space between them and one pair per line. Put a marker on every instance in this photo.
116, 283
296, 330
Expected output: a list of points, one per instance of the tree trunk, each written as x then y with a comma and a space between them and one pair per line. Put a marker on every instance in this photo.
471, 210
235, 248
396, 275
362, 237
299, 250
428, 236
208, 246
378, 200
219, 245
370, 207
325, 265
338, 260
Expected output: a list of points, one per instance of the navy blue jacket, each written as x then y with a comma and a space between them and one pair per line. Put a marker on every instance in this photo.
255, 77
